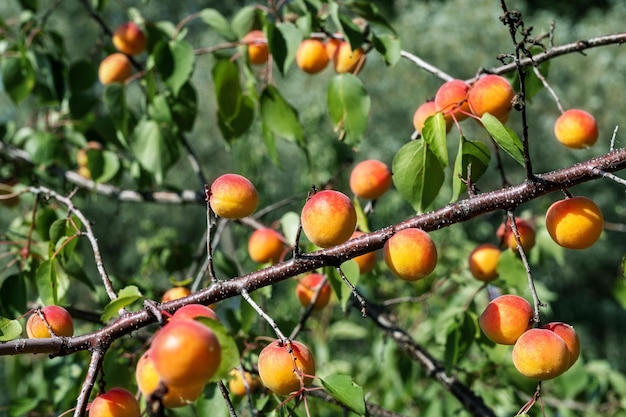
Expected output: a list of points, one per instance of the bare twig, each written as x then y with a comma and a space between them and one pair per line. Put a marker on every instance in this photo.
97, 357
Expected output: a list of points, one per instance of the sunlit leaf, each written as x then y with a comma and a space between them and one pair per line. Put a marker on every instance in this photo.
155, 147
346, 391
18, 77
283, 40
506, 138
349, 106
47, 284
126, 297
218, 22
472, 154
388, 46
434, 134
279, 116
9, 329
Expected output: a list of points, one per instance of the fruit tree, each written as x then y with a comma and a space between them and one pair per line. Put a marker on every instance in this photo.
312, 208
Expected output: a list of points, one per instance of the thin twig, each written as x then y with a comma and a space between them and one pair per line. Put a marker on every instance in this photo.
229, 403
246, 296
97, 358
426, 66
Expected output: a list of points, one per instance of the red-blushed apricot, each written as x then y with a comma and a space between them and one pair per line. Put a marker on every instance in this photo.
569, 336
345, 59
328, 218
237, 386
491, 94
366, 262
451, 99
115, 68
410, 254
540, 354
116, 402
574, 223
311, 56
483, 262
59, 319
128, 38
265, 245
526, 232
370, 179
286, 368
505, 319
423, 112
576, 129
191, 311
233, 196
148, 381
175, 293
258, 51
185, 352
308, 286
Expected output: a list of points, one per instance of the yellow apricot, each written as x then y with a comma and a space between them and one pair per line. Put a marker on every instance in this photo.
410, 254
175, 293
505, 319
526, 232
540, 354
58, 318
574, 223
483, 262
345, 59
285, 368
115, 68
308, 286
258, 51
265, 245
328, 218
491, 94
128, 38
569, 336
233, 196
576, 129
311, 56
370, 179
116, 402
237, 386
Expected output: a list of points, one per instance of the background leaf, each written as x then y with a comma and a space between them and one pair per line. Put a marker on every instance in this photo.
349, 106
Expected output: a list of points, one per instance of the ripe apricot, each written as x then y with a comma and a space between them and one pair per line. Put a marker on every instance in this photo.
451, 99
58, 318
576, 129
265, 245
483, 262
258, 51
505, 319
116, 402
526, 232
175, 293
574, 223
332, 44
540, 354
410, 254
370, 179
366, 262
185, 352
233, 196
115, 68
569, 336
491, 94
345, 59
237, 386
423, 112
148, 381
308, 286
328, 218
191, 311
311, 56
128, 38
284, 368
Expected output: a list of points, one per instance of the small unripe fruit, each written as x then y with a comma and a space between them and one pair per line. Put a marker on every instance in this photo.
308, 286
451, 99
423, 112
237, 386
328, 218
483, 262
370, 179
265, 245
574, 223
540, 354
410, 254
345, 59
116, 402
175, 293
311, 56
569, 336
258, 51
115, 68
57, 317
285, 368
576, 129
505, 319
491, 94
233, 196
366, 262
128, 38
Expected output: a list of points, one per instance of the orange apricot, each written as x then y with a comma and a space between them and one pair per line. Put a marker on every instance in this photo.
410, 254
423, 112
58, 318
491, 94
240, 385
328, 218
233, 196
285, 368
191, 311
258, 51
540, 354
308, 286
451, 99
128, 38
576, 129
574, 223
505, 319
175, 293
483, 262
569, 336
311, 56
115, 68
345, 59
367, 261
265, 245
526, 232
370, 179
116, 402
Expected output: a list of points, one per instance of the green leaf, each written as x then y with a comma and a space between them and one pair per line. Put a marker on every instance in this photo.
184, 107
155, 147
47, 284
219, 23
343, 389
283, 40
472, 153
44, 148
103, 165
175, 61
270, 145
243, 21
13, 295
81, 103
235, 111
18, 77
279, 116
347, 27
417, 174
126, 297
388, 46
230, 352
505, 137
348, 106
434, 133
9, 329
511, 269
342, 291
236, 125
82, 76
115, 100
460, 337
368, 11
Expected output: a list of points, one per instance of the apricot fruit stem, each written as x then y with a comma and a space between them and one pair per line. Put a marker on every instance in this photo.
246, 296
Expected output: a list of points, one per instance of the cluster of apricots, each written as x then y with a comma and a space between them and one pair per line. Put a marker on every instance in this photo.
128, 39
457, 100
540, 353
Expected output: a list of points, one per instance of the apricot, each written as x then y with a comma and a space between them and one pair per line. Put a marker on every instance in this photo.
175, 293
526, 232
58, 318
285, 368
505, 319
569, 336
367, 261
423, 112
128, 38
115, 68
185, 352
370, 179
258, 51
328, 218
308, 286
491, 94
483, 262
345, 59
237, 386
410, 254
233, 196
148, 381
540, 354
331, 47
311, 56
451, 99
574, 223
576, 129
191, 311
116, 402
265, 245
